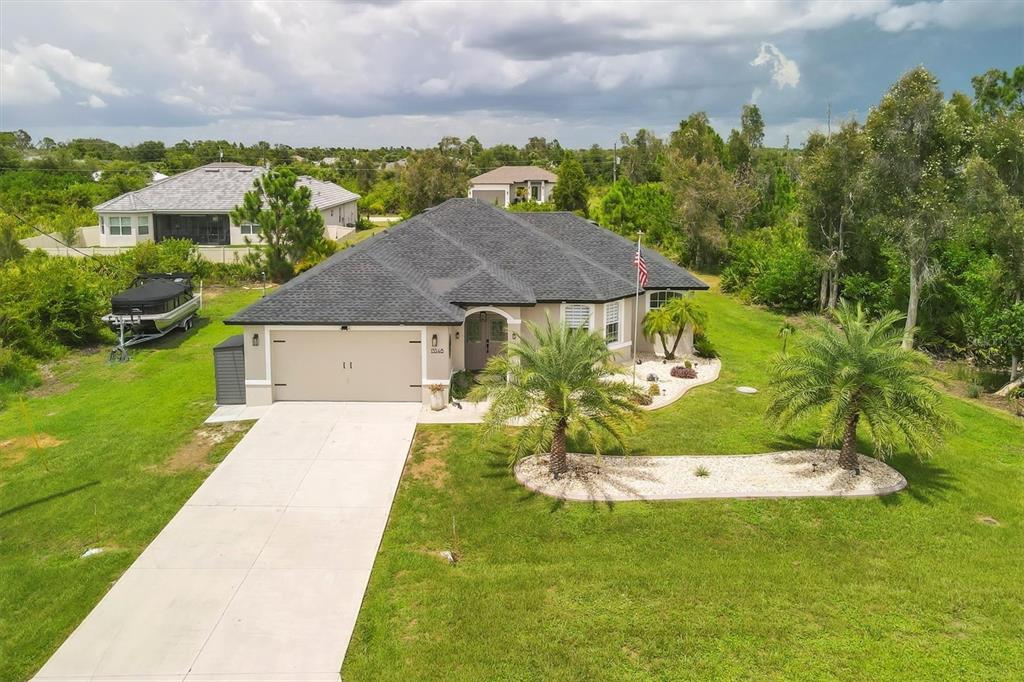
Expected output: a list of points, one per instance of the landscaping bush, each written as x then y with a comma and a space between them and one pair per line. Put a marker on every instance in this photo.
681, 372
641, 398
703, 347
653, 390
461, 383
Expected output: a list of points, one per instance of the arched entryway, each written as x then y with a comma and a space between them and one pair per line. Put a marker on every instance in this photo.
486, 335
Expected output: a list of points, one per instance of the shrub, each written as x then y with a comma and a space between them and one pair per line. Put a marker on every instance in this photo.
774, 266
687, 364
461, 383
653, 390
973, 391
17, 372
703, 347
652, 377
1016, 399
681, 372
701, 471
49, 301
641, 398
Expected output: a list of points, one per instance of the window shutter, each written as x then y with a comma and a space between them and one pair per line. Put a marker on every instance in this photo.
577, 315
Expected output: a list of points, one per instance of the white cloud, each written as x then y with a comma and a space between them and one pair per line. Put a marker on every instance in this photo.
24, 83
369, 72
950, 15
784, 70
86, 74
93, 102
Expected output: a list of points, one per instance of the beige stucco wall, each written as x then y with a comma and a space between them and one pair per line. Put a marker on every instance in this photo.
258, 388
345, 215
437, 360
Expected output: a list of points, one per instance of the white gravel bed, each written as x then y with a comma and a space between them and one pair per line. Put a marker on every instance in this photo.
672, 388
795, 473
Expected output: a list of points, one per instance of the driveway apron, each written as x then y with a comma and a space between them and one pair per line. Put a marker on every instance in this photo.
260, 575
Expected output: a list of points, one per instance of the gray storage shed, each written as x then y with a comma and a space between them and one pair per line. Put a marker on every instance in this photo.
229, 369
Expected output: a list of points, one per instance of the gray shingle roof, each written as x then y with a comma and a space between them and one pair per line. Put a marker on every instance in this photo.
215, 187
463, 253
509, 174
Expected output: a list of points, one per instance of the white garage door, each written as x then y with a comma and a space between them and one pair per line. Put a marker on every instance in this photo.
346, 365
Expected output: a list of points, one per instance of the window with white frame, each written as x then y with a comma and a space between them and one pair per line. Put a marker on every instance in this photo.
612, 315
103, 225
143, 224
577, 315
249, 228
120, 225
660, 298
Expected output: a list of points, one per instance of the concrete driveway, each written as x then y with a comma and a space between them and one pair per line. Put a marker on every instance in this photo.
261, 574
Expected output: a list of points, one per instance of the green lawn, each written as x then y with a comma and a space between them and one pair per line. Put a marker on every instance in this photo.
115, 460
913, 585
353, 238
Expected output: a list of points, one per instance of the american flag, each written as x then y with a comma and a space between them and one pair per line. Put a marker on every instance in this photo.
641, 267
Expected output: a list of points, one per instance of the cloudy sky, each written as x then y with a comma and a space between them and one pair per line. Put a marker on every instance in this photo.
406, 73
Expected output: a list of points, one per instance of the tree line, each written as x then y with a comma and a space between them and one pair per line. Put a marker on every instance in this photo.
916, 208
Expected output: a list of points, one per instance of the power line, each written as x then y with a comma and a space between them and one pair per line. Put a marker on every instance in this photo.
602, 163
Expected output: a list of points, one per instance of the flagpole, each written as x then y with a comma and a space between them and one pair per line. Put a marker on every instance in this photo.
636, 302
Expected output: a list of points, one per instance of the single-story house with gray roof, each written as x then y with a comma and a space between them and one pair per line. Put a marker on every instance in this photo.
442, 292
196, 205
513, 184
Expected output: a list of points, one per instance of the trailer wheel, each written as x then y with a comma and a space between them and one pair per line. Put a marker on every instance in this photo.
119, 354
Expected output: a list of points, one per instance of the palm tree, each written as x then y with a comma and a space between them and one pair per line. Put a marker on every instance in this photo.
859, 371
558, 381
786, 330
671, 319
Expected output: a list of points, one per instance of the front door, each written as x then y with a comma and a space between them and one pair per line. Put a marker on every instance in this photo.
486, 334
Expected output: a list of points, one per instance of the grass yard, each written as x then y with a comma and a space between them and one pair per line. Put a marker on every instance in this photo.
99, 456
353, 238
925, 584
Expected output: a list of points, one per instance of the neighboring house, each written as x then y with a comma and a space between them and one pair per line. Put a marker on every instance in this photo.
195, 205
442, 292
512, 184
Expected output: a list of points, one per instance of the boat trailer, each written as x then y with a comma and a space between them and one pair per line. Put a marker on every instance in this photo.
136, 327
126, 337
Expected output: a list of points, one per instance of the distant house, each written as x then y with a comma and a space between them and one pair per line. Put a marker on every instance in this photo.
512, 184
195, 205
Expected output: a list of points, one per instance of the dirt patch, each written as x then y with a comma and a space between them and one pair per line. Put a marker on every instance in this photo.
432, 442
51, 383
14, 450
426, 464
195, 454
431, 470
987, 520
